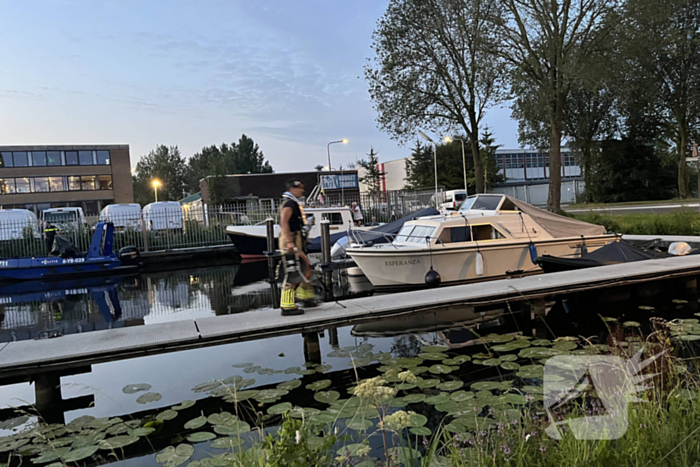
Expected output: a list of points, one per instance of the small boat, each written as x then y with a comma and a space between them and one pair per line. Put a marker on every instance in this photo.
613, 253
99, 260
490, 237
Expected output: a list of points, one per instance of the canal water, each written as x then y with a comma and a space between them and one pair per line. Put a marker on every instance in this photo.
143, 389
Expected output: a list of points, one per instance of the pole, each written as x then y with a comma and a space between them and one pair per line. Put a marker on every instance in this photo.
329, 156
270, 225
464, 166
156, 189
437, 206
326, 259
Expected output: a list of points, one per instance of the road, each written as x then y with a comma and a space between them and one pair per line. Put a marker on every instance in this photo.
636, 209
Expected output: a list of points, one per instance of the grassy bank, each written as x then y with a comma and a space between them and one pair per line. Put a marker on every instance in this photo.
674, 223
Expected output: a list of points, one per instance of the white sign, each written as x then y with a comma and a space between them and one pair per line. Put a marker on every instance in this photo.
336, 182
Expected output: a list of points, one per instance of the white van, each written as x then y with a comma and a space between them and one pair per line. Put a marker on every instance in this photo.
123, 216
453, 200
15, 222
65, 218
163, 215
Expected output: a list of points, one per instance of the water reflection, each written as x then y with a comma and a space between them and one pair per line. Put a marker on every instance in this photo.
48, 309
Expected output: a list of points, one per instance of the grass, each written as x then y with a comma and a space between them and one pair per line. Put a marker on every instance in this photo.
674, 223
630, 203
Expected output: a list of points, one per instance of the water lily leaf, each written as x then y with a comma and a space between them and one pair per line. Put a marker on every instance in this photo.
291, 370
455, 427
289, 385
417, 419
508, 358
270, 394
461, 396
80, 454
134, 388
631, 324
645, 307
427, 383
690, 337
117, 442
252, 369
232, 428
414, 398
491, 362
303, 412
359, 424
242, 365
327, 396
679, 301
167, 415
440, 369
432, 356
50, 455
450, 385
232, 379
196, 423
510, 366
208, 386
324, 418
438, 399
541, 342
222, 418
486, 385
350, 449
433, 348
183, 405
240, 396
91, 439
421, 431
407, 455
509, 347
498, 338
149, 397
318, 385
224, 443
200, 436
398, 402
143, 431
279, 408
13, 423
175, 456
9, 444
409, 362
516, 399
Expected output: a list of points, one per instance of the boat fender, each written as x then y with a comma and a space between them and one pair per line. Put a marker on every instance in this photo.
533, 253
479, 264
432, 278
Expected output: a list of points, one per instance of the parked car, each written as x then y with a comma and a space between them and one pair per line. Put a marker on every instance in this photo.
163, 215
123, 216
453, 200
14, 223
65, 218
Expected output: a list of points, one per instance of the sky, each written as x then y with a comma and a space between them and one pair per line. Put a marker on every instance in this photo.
289, 74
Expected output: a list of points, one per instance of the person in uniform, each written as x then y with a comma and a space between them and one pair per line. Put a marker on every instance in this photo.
50, 232
293, 235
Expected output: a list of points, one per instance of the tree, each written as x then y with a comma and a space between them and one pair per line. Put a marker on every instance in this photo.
488, 158
249, 158
549, 46
166, 165
432, 69
373, 176
663, 44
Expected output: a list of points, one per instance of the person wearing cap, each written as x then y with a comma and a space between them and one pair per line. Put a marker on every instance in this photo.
50, 232
293, 235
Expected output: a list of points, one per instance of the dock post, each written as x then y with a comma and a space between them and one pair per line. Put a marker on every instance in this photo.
312, 348
48, 398
537, 311
326, 258
270, 224
333, 338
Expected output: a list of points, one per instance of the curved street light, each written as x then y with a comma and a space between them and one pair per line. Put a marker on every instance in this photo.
344, 141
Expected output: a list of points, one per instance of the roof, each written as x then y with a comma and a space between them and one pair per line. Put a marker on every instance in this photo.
191, 198
64, 147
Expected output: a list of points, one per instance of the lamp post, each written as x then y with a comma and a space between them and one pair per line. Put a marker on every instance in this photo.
427, 138
155, 188
464, 160
344, 141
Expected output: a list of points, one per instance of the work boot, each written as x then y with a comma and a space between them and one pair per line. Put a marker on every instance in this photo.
307, 297
289, 307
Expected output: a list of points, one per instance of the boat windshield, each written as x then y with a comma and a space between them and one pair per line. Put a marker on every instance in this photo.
481, 203
415, 233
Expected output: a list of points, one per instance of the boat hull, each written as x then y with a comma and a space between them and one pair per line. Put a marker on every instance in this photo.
399, 269
51, 268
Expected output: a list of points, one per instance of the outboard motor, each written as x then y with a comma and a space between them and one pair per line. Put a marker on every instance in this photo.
129, 255
432, 278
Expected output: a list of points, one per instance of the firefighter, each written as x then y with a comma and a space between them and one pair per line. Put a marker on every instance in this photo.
50, 232
293, 235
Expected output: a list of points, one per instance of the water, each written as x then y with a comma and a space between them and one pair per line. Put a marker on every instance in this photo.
86, 306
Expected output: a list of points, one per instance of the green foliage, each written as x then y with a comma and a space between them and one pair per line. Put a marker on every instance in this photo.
676, 223
289, 446
166, 165
373, 176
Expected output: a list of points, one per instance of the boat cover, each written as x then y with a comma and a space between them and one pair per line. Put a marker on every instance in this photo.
63, 248
622, 252
558, 226
382, 234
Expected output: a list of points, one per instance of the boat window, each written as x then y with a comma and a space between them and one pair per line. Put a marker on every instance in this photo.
455, 235
509, 206
486, 232
420, 233
335, 218
460, 196
482, 203
404, 233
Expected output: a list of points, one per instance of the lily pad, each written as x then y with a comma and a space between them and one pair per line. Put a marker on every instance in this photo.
183, 405
486, 386
82, 441
50, 455
541, 342
13, 423
200, 436
427, 383
270, 394
143, 431
240, 396
134, 388
491, 362
221, 418
631, 324
9, 444
80, 454
318, 385
432, 356
242, 365
510, 366
196, 423
433, 348
289, 385
149, 397
461, 396
279, 408
414, 398
232, 428
440, 369
450, 385
645, 307
350, 449
175, 456
117, 442
438, 399
359, 424
417, 419
327, 396
166, 415
224, 443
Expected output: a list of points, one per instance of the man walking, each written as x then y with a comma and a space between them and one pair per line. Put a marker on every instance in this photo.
357, 214
293, 235
49, 235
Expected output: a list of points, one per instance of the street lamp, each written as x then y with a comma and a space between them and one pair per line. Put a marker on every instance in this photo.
344, 141
427, 138
155, 188
464, 160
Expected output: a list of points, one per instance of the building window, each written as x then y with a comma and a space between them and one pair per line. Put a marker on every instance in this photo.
20, 159
56, 184
7, 186
104, 182
73, 182
41, 184
6, 159
39, 159
22, 185
85, 157
71, 158
87, 182
53, 158
102, 157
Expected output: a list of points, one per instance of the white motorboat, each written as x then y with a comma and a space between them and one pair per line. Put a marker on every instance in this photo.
490, 237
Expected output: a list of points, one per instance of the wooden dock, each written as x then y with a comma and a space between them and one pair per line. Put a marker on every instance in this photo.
24, 358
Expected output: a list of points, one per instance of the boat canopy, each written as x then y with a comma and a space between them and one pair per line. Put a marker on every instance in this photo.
556, 225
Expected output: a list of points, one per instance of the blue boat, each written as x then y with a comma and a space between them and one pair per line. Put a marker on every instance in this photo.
99, 260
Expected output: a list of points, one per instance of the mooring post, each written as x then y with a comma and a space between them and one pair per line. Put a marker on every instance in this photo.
333, 338
144, 235
312, 348
270, 224
537, 312
47, 394
326, 259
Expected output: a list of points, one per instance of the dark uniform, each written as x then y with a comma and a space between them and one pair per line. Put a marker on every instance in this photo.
49, 235
297, 224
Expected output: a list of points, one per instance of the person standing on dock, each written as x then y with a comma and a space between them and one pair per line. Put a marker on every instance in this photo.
357, 214
49, 235
293, 235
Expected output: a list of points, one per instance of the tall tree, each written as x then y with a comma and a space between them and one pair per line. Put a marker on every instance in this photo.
373, 176
488, 158
166, 165
249, 158
432, 70
549, 45
664, 47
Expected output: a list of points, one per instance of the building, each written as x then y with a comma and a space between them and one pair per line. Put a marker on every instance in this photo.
528, 164
86, 176
394, 178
